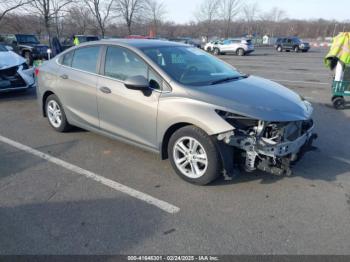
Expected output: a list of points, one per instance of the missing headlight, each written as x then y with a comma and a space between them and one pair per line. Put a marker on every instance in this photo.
268, 146
25, 66
238, 121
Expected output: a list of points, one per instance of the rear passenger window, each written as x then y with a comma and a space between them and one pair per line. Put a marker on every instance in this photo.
86, 58
122, 63
67, 59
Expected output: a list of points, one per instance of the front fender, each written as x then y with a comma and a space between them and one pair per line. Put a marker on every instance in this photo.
175, 110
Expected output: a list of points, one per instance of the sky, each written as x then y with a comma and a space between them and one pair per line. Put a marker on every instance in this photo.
182, 11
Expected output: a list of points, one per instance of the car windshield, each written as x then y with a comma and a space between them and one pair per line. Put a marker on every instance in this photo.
191, 66
3, 48
31, 39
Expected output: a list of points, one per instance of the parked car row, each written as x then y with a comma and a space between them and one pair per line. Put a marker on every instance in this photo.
242, 46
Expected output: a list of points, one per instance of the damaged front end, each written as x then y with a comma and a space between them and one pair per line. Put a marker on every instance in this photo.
268, 146
16, 78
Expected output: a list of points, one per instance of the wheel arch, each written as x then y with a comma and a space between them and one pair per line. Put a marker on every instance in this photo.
167, 135
43, 101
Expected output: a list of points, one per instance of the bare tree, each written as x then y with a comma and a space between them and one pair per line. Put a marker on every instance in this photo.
156, 13
101, 11
7, 6
250, 12
130, 10
207, 13
275, 15
229, 10
48, 11
78, 20
272, 21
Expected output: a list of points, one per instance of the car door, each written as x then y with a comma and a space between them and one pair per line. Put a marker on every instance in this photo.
77, 84
225, 46
289, 43
129, 114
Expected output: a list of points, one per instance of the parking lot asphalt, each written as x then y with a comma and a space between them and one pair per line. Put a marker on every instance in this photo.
78, 197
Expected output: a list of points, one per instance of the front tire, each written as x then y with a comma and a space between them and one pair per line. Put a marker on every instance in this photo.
194, 156
56, 115
216, 51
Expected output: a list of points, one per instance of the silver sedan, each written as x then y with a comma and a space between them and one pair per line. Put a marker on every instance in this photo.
177, 101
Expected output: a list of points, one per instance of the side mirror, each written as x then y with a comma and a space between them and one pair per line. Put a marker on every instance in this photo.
9, 48
137, 83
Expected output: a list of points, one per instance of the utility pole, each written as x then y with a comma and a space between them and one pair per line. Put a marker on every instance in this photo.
335, 26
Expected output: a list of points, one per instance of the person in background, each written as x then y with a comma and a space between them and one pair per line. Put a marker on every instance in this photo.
76, 41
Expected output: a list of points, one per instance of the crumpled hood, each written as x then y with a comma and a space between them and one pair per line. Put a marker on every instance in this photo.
257, 98
10, 59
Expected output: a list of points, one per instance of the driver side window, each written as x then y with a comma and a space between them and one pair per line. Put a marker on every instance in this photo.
120, 63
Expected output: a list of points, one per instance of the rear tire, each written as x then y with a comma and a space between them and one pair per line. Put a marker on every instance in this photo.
240, 52
56, 115
280, 49
194, 156
296, 49
339, 102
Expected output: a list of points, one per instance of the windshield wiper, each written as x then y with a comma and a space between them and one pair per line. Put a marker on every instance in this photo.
227, 79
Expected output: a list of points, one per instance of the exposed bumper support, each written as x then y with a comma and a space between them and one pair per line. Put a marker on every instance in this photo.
262, 154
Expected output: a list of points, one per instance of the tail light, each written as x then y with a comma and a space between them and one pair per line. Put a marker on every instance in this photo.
36, 71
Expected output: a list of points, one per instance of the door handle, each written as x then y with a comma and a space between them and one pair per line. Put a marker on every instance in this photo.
64, 76
105, 90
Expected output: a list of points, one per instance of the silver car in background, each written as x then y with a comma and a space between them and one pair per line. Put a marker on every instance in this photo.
238, 46
179, 102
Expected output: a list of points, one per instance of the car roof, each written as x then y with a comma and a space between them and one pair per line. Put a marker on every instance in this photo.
87, 35
141, 43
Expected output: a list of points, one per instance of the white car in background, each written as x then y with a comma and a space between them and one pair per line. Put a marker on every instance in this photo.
239, 47
209, 47
15, 73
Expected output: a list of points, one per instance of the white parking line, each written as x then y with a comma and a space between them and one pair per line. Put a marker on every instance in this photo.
105, 181
346, 161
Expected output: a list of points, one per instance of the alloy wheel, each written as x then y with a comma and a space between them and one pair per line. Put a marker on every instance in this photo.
190, 157
54, 113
